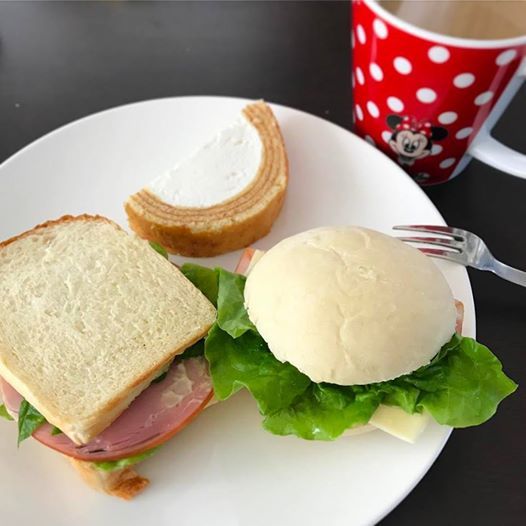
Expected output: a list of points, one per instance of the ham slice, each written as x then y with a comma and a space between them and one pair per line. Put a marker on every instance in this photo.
12, 399
244, 261
460, 316
156, 415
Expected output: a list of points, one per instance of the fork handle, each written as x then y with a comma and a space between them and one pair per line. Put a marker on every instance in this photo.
509, 273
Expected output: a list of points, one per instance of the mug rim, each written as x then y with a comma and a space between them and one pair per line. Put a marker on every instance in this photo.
440, 38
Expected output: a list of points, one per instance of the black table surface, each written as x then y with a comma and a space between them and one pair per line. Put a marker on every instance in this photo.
62, 61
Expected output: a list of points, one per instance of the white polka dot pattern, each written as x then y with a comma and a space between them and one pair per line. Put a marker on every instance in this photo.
447, 163
360, 33
464, 80
376, 72
395, 104
359, 112
506, 57
372, 108
360, 77
380, 29
483, 98
438, 54
426, 95
436, 149
464, 132
402, 65
448, 117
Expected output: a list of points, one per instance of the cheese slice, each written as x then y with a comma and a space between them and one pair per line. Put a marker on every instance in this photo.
398, 423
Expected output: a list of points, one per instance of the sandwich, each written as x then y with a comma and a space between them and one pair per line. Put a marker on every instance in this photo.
345, 329
107, 350
224, 196
98, 354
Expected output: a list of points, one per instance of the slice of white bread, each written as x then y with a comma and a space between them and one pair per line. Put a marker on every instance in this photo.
88, 317
235, 222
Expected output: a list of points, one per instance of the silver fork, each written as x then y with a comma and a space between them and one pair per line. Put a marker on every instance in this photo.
463, 247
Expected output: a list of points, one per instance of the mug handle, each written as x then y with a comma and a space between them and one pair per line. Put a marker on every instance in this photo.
490, 151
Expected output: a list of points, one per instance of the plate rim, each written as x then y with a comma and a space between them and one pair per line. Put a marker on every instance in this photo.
372, 150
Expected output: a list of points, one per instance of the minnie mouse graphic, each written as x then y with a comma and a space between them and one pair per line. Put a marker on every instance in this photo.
412, 139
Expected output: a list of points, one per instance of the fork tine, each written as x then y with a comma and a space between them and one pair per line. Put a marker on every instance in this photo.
457, 233
439, 241
448, 255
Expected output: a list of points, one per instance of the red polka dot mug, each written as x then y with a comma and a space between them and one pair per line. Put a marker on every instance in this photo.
429, 101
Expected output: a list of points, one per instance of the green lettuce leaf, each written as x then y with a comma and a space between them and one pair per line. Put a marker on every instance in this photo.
4, 413
465, 386
29, 420
324, 412
232, 316
56, 431
159, 248
225, 290
205, 279
112, 465
462, 386
400, 393
246, 362
197, 349
160, 378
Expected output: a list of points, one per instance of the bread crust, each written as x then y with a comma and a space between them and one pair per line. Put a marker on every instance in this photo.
60, 221
123, 483
227, 226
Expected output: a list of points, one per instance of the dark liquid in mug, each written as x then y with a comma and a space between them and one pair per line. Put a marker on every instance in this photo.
480, 19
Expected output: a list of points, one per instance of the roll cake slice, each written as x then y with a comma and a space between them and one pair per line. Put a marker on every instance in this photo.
223, 197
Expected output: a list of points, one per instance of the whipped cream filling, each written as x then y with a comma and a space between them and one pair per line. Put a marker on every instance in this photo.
219, 170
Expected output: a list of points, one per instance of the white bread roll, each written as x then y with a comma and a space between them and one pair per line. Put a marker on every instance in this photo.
350, 306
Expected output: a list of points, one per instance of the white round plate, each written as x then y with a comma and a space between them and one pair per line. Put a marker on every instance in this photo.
224, 469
